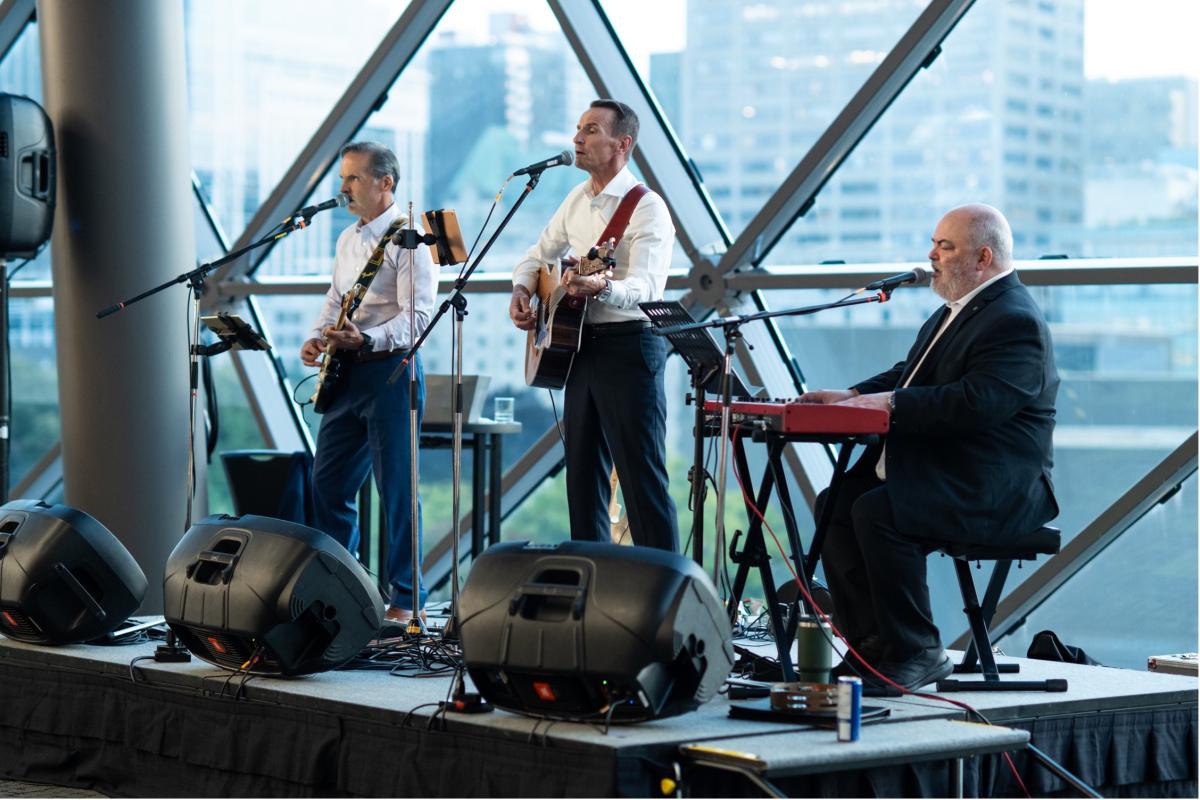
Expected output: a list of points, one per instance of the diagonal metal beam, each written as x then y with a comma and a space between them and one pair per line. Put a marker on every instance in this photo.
365, 94
261, 374
1156, 486
658, 154
916, 49
769, 362
14, 16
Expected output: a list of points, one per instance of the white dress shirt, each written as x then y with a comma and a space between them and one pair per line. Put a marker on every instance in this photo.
956, 307
643, 254
384, 312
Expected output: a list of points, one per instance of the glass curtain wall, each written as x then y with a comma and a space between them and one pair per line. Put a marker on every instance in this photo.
1068, 114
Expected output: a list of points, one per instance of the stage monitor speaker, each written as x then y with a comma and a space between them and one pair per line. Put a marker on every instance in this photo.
269, 596
593, 630
64, 577
27, 182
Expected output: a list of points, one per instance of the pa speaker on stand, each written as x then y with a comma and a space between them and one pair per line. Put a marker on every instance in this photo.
269, 596
27, 192
588, 629
64, 577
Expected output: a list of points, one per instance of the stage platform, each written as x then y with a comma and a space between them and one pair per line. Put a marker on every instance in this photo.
81, 716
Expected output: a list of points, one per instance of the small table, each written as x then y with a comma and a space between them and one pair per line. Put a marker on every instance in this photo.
780, 755
487, 468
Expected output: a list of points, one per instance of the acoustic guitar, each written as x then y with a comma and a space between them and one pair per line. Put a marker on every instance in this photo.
552, 343
334, 360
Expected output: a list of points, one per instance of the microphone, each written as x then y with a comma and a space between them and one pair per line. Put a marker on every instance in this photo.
341, 201
564, 159
917, 276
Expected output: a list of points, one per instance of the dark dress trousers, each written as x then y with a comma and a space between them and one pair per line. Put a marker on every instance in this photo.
968, 459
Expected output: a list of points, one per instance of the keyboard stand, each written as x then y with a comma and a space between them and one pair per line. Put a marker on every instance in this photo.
754, 553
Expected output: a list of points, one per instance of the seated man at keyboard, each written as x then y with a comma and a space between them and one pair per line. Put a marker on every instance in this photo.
967, 457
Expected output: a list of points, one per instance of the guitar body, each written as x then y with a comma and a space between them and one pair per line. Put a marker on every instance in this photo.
327, 382
552, 345
334, 364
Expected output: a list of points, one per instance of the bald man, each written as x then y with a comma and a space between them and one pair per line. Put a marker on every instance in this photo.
967, 458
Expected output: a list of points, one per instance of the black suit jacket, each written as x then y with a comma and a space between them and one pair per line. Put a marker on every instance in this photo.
969, 451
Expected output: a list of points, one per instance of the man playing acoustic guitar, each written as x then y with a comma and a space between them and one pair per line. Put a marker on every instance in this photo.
366, 420
615, 401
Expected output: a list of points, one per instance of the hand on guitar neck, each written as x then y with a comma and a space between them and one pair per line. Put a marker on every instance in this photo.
589, 277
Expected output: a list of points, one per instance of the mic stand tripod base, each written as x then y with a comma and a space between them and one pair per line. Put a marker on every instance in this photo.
171, 651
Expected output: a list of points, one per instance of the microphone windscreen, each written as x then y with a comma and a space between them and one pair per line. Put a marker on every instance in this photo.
924, 275
568, 158
343, 200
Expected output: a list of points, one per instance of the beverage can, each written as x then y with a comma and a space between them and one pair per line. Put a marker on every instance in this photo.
849, 708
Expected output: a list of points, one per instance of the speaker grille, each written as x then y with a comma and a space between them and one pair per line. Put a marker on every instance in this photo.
17, 625
3, 144
223, 649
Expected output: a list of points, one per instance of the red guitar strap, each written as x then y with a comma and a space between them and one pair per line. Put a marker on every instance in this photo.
620, 220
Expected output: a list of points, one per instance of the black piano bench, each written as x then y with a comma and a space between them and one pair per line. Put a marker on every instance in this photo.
978, 656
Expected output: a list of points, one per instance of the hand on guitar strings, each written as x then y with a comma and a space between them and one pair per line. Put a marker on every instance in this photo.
519, 310
348, 338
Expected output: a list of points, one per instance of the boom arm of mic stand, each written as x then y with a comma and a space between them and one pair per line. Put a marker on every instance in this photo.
192, 276
455, 295
724, 322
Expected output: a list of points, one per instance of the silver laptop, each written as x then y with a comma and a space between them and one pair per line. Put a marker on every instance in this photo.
438, 393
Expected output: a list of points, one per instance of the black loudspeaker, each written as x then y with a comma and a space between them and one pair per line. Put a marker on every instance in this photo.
27, 183
270, 596
63, 576
593, 630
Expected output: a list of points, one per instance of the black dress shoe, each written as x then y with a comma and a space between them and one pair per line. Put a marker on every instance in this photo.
871, 649
926, 667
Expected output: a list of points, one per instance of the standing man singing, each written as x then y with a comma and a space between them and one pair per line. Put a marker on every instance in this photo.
616, 410
967, 457
367, 424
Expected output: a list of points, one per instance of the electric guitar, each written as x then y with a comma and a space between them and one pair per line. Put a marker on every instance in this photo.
334, 360
552, 343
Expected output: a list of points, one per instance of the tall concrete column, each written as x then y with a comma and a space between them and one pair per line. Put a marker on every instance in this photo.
115, 89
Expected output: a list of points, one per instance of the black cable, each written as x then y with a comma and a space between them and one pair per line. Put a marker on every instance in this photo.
483, 227
558, 427
214, 411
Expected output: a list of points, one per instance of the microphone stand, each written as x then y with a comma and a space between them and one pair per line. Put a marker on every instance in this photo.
732, 328
171, 650
458, 301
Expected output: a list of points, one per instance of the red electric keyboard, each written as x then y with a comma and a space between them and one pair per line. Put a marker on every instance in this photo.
789, 416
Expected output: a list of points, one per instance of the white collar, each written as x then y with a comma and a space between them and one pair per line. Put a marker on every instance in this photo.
621, 183
377, 226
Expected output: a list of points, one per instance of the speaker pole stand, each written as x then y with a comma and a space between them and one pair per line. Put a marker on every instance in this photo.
5, 384
459, 303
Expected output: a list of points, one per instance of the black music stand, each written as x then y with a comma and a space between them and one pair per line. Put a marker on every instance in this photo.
233, 333
706, 363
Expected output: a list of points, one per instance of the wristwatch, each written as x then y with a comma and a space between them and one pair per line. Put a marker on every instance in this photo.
891, 405
368, 344
606, 292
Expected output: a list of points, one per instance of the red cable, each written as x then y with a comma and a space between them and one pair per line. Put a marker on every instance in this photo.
824, 617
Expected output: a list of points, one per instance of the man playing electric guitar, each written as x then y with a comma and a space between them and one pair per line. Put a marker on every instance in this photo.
615, 407
366, 420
